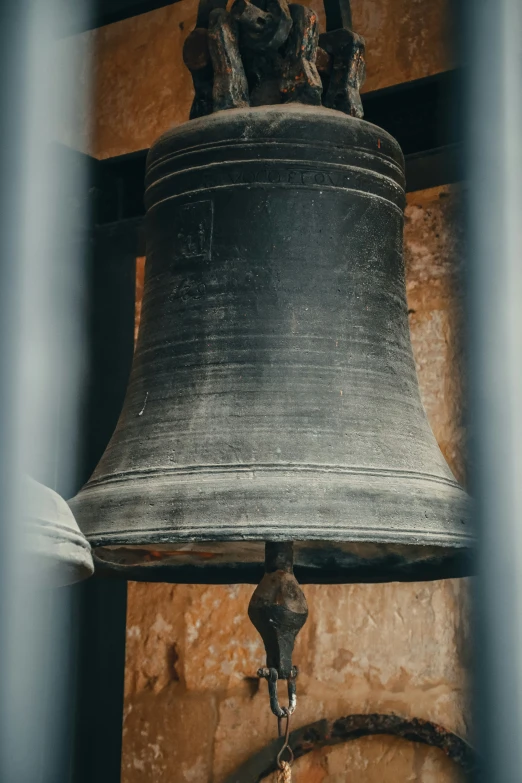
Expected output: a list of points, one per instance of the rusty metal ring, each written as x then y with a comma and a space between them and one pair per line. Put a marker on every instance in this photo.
325, 733
271, 676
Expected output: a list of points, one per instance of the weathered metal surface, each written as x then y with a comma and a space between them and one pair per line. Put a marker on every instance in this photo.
262, 30
324, 733
343, 65
196, 56
278, 610
273, 46
230, 87
262, 36
271, 676
347, 73
323, 62
273, 393
300, 79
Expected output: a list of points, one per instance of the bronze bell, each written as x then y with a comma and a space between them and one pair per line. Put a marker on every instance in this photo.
273, 395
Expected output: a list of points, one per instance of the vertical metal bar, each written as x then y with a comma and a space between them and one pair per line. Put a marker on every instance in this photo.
493, 29
40, 350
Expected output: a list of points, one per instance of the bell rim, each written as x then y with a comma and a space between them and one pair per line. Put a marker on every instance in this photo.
258, 500
320, 533
315, 562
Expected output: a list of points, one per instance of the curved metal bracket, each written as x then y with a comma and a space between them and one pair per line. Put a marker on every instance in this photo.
325, 733
262, 52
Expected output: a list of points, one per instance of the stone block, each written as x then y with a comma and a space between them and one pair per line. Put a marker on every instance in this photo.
168, 738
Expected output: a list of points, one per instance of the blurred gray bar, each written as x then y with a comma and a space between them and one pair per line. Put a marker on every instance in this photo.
41, 305
493, 29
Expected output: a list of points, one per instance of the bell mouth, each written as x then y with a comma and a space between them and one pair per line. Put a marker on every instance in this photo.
348, 526
316, 562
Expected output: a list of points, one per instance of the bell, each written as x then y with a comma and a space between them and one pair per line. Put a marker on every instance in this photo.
60, 552
273, 395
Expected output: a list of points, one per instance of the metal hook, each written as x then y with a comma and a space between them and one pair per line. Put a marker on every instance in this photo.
286, 745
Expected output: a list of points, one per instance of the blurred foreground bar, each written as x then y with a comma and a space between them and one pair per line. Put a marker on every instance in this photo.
493, 31
102, 603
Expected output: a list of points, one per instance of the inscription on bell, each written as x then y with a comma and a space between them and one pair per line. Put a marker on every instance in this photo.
280, 175
193, 230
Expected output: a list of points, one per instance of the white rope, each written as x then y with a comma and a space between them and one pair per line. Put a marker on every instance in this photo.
285, 773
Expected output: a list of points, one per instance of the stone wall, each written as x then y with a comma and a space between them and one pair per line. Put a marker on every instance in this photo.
193, 707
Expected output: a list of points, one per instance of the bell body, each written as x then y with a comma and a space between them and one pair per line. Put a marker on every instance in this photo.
273, 394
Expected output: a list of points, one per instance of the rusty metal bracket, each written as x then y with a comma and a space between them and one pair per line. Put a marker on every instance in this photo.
230, 88
325, 733
262, 29
196, 56
348, 70
300, 78
264, 52
278, 610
